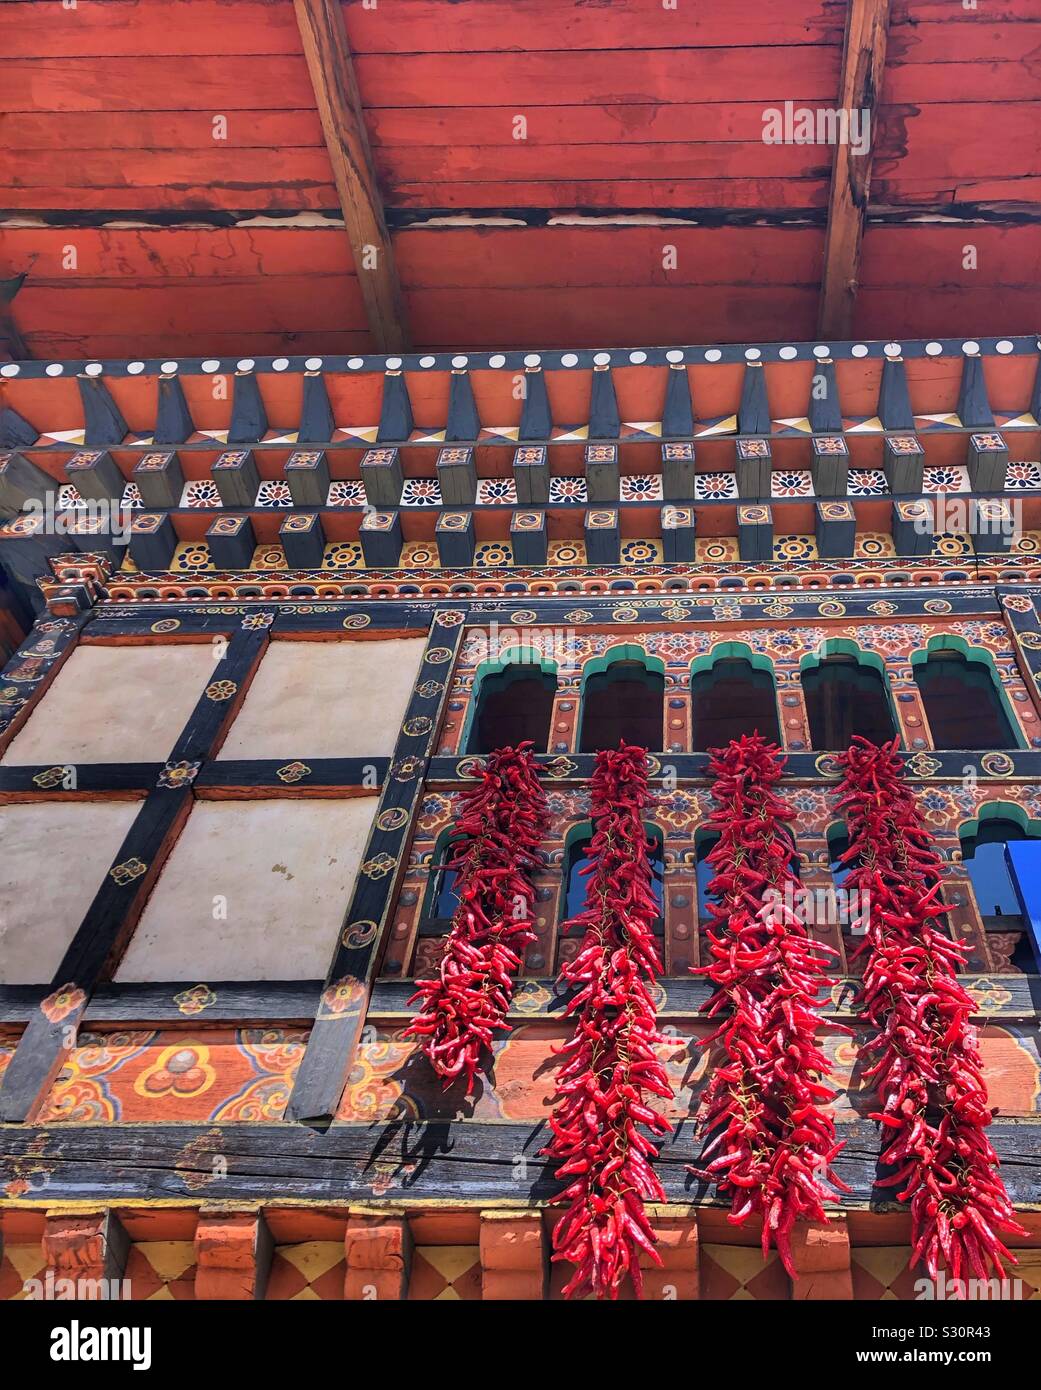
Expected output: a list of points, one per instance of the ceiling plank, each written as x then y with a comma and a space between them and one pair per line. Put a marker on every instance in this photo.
331, 68
863, 63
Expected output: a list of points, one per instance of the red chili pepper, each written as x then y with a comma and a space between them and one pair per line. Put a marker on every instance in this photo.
500, 826
928, 1076
612, 1068
765, 1106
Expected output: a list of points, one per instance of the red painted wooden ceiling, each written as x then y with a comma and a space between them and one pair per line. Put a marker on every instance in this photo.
140, 233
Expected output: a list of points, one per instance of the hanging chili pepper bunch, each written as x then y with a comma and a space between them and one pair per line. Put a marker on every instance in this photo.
928, 1072
765, 1106
611, 1071
500, 828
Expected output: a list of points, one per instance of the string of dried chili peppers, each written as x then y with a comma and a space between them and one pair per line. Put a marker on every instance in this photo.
928, 1074
500, 827
765, 1107
611, 1071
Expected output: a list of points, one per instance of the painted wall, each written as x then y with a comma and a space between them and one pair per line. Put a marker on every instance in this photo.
55, 856
116, 705
254, 890
326, 700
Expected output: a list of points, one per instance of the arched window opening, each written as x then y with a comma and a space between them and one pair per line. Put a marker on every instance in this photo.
624, 702
838, 844
512, 705
705, 872
962, 703
573, 899
442, 897
994, 886
844, 698
705, 844
984, 857
731, 699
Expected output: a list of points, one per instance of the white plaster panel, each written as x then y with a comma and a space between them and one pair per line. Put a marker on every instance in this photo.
326, 700
286, 869
116, 705
53, 859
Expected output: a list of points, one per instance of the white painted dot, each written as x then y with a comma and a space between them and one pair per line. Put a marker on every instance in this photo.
93, 369
533, 360
136, 368
1004, 347
393, 364
788, 353
458, 362
246, 364
570, 359
752, 354
427, 361
280, 364
10, 369
497, 360
637, 357
933, 349
54, 369
713, 355
821, 351
356, 363
168, 367
970, 348
859, 350
313, 364
674, 355
892, 349
601, 359
210, 365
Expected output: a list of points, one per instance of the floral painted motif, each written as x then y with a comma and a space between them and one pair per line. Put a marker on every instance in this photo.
710, 487
62, 1003
793, 483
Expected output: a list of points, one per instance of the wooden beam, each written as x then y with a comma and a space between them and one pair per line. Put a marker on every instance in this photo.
863, 62
413, 1163
329, 62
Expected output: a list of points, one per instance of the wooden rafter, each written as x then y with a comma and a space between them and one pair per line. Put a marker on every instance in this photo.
863, 62
331, 69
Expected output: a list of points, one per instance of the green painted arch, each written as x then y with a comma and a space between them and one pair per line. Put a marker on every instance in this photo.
951, 642
835, 830
842, 646
733, 651
583, 830
624, 651
1000, 810
522, 657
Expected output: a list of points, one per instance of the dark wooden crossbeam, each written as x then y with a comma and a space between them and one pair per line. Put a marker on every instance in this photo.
331, 69
404, 1163
242, 1002
863, 62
